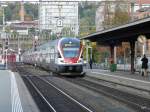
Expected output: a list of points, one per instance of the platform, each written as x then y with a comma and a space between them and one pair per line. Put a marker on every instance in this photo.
14, 96
123, 78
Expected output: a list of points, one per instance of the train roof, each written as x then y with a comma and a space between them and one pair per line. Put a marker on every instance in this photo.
48, 44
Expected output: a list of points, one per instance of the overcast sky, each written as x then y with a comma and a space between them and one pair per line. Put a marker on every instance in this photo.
45, 0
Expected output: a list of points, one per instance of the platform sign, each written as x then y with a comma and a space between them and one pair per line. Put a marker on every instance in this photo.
23, 32
59, 23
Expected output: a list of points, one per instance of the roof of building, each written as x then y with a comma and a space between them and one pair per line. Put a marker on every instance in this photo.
144, 9
143, 1
25, 24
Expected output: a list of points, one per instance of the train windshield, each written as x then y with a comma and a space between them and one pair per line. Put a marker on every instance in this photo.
71, 49
71, 52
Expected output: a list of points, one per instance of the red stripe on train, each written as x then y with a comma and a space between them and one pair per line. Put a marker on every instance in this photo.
71, 60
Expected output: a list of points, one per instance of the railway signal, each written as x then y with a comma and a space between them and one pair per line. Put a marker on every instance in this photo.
35, 45
35, 42
6, 43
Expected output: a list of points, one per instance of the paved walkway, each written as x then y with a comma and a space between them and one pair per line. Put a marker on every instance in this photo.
14, 96
5, 91
9, 96
126, 74
126, 79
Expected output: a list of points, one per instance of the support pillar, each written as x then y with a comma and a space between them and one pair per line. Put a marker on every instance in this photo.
115, 55
132, 47
112, 53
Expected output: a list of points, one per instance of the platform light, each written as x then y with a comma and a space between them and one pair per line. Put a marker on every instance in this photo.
19, 51
141, 39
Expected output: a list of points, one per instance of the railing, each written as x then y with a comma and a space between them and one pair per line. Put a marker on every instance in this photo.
122, 67
97, 66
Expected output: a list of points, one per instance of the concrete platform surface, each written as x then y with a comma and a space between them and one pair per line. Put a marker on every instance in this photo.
120, 77
14, 96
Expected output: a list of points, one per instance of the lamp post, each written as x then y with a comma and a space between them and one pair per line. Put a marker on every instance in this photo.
3, 9
3, 20
6, 49
132, 9
35, 42
142, 39
87, 52
4, 36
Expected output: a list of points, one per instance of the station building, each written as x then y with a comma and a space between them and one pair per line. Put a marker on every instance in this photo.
59, 16
141, 10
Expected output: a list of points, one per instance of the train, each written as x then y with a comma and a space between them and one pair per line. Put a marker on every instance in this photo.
62, 56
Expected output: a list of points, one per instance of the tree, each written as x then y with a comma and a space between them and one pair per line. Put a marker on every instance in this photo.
8, 12
32, 31
87, 18
31, 10
15, 34
12, 11
117, 16
53, 36
121, 15
1, 20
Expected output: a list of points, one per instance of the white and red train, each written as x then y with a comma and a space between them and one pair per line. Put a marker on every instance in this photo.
63, 56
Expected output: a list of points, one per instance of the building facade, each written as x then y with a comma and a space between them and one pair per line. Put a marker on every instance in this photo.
57, 16
141, 4
107, 11
142, 9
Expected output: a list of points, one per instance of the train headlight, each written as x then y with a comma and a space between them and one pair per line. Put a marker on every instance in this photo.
62, 61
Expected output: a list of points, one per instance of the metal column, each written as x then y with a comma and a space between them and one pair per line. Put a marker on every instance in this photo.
132, 46
115, 55
112, 53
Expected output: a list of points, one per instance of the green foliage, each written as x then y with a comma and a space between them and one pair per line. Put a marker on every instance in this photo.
87, 18
12, 11
8, 12
32, 30
15, 34
7, 29
66, 32
103, 55
53, 36
31, 10
119, 16
95, 55
1, 19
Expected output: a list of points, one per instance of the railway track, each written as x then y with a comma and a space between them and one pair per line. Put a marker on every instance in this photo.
53, 99
135, 102
139, 103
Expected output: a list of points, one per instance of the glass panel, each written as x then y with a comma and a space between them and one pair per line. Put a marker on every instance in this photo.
70, 52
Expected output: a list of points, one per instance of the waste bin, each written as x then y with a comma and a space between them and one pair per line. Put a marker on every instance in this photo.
113, 67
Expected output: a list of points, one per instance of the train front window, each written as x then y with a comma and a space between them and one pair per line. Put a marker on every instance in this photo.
71, 52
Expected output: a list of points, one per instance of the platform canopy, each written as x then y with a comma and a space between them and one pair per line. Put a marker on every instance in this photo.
125, 33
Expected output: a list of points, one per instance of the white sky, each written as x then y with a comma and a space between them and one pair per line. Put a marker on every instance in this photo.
44, 0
